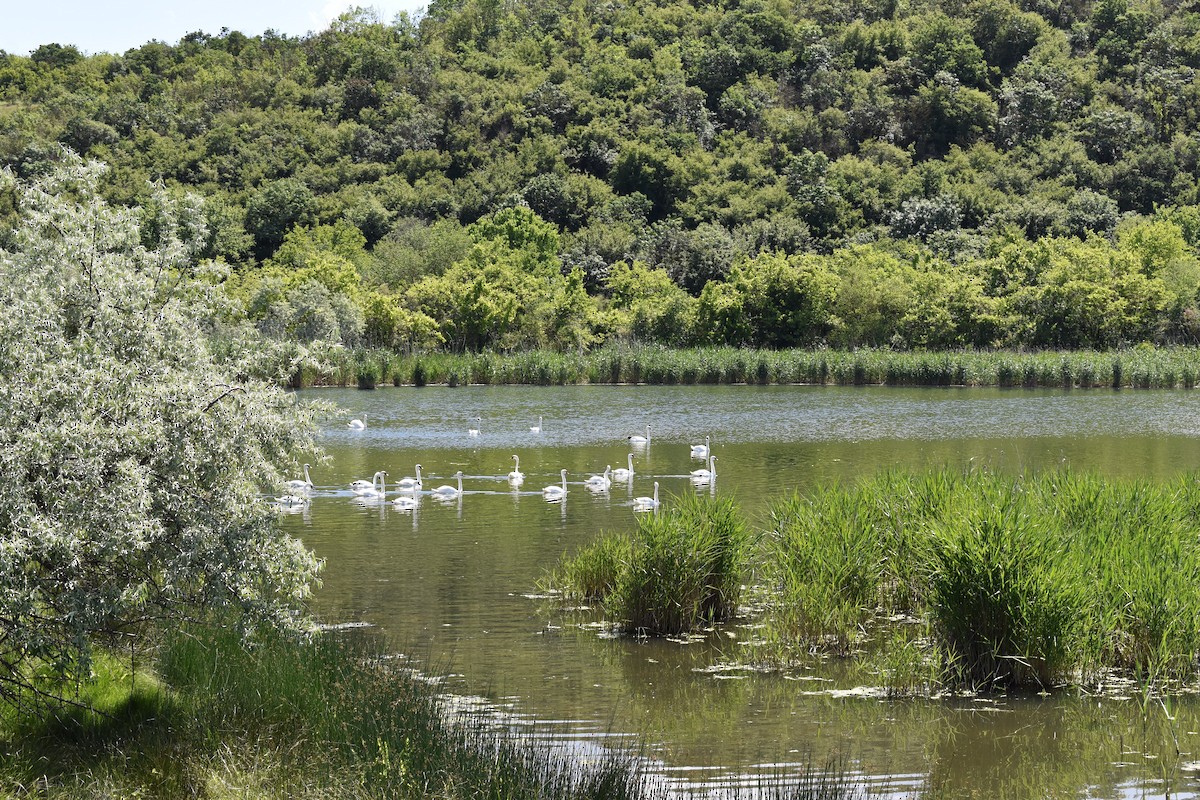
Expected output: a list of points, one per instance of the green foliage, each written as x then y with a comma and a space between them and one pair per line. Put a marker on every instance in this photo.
140, 438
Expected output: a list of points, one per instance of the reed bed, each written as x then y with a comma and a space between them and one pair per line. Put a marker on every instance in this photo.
332, 717
1138, 367
681, 570
1030, 580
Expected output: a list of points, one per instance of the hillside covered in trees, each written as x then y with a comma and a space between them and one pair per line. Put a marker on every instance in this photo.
505, 175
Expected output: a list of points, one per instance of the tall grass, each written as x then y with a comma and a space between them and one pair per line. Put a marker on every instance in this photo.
1143, 368
1023, 580
682, 569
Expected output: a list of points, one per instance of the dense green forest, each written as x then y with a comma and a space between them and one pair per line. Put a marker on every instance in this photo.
565, 173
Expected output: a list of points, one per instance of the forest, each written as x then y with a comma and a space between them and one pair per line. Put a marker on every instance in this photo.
502, 176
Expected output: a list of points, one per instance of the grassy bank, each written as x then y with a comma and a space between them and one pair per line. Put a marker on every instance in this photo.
963, 579
1143, 368
329, 718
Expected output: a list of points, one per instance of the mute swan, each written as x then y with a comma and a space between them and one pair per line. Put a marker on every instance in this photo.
705, 475
700, 450
374, 493
556, 492
639, 439
475, 431
298, 485
516, 476
538, 429
406, 503
449, 491
360, 486
292, 500
622, 474
600, 481
357, 424
646, 503
410, 484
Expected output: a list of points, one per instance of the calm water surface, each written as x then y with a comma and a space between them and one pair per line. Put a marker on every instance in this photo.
455, 584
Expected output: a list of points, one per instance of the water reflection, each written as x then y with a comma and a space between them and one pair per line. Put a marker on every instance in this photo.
451, 578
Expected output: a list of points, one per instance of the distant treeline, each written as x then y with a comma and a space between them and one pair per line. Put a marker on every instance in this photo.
766, 173
1137, 368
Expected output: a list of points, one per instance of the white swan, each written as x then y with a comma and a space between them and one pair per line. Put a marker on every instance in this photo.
302, 486
700, 450
600, 481
410, 484
292, 500
406, 502
516, 476
706, 475
357, 424
556, 492
449, 491
639, 439
475, 431
538, 429
622, 474
374, 493
359, 486
646, 503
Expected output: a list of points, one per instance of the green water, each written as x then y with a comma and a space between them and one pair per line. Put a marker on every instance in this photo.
455, 583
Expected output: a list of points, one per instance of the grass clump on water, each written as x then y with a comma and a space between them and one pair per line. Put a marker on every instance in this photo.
681, 570
1029, 580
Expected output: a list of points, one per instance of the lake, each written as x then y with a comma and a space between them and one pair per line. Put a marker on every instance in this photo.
455, 585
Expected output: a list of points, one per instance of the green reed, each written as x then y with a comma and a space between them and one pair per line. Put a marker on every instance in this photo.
1138, 367
682, 569
1022, 580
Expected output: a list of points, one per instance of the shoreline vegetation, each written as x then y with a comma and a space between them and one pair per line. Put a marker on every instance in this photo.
333, 716
936, 581
1139, 367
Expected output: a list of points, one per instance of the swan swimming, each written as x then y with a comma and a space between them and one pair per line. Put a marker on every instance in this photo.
406, 502
449, 491
639, 439
646, 503
700, 450
538, 429
298, 485
374, 493
622, 474
360, 486
516, 476
600, 482
410, 484
357, 424
475, 431
292, 500
706, 475
556, 492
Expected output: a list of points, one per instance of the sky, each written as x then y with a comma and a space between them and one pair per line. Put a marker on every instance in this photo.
115, 26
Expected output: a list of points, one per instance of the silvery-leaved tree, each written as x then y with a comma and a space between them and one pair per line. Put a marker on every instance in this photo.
139, 428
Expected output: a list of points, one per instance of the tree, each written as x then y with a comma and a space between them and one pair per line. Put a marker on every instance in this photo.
134, 451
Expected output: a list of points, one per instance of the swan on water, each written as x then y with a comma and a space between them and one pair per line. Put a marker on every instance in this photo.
556, 492
700, 450
292, 500
622, 474
359, 486
705, 475
516, 476
646, 503
639, 439
374, 493
475, 431
297, 485
449, 491
410, 484
600, 481
537, 429
357, 424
